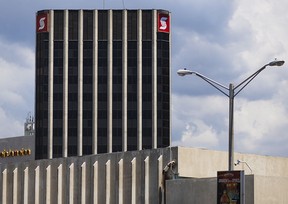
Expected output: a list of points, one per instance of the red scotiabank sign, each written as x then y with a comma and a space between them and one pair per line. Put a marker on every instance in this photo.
163, 22
42, 23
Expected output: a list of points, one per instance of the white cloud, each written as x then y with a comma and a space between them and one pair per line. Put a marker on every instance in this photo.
199, 121
224, 40
202, 121
250, 37
261, 122
10, 126
198, 134
260, 29
16, 87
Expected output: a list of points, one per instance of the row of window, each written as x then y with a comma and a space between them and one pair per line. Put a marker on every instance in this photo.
162, 140
102, 18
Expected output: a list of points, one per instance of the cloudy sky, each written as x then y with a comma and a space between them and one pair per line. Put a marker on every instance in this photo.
226, 40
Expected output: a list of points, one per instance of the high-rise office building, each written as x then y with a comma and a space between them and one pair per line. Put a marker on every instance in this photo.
102, 81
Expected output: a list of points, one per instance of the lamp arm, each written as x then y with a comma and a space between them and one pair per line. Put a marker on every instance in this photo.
248, 80
213, 83
248, 166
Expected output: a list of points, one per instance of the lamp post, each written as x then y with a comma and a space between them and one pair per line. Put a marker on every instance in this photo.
230, 92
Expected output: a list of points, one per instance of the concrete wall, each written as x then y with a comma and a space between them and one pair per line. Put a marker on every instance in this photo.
204, 191
201, 163
266, 184
258, 190
191, 191
130, 177
15, 149
137, 177
271, 190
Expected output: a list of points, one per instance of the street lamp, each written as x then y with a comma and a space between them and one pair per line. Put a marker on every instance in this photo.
230, 92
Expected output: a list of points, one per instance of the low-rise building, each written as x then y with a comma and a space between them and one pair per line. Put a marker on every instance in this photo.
166, 175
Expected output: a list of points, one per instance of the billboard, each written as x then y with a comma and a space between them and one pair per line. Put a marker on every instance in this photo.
230, 187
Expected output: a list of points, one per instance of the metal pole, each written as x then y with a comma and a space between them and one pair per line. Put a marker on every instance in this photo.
232, 95
231, 128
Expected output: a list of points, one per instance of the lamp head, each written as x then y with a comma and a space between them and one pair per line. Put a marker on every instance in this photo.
183, 72
238, 162
276, 63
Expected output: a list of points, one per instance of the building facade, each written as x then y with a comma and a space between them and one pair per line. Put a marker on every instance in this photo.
156, 176
21, 148
102, 81
17, 149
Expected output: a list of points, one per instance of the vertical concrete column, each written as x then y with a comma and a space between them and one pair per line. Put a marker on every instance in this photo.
37, 185
154, 80
4, 187
60, 184
65, 85
108, 182
133, 180
139, 81
121, 182
170, 77
80, 84
146, 179
95, 182
15, 186
160, 178
26, 185
110, 81
83, 183
50, 85
95, 83
71, 183
48, 184
124, 81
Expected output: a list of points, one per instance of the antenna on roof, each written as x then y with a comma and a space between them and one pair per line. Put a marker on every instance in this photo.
103, 4
29, 125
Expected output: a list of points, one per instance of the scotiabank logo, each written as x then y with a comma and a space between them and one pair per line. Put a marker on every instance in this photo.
163, 23
42, 23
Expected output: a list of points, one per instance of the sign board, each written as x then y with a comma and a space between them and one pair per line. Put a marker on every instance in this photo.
230, 187
163, 22
42, 21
